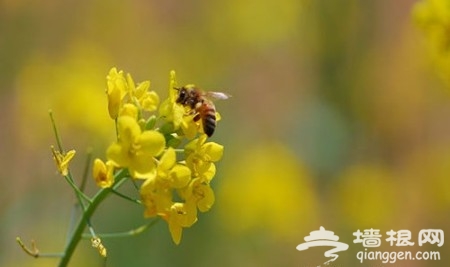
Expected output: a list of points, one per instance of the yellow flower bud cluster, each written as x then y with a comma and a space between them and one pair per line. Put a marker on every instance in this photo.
175, 167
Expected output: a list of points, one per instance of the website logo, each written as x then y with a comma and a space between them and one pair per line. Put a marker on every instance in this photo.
324, 238
371, 240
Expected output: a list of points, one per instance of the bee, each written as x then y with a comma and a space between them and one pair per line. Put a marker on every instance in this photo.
200, 103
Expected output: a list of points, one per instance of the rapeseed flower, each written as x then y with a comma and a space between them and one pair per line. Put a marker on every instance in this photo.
157, 191
156, 198
200, 154
116, 90
169, 109
62, 160
170, 173
201, 194
173, 189
172, 186
147, 100
181, 215
103, 173
135, 149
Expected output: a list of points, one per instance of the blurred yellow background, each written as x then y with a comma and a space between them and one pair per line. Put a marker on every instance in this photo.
338, 118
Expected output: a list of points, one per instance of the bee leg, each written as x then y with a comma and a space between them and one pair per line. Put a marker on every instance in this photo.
197, 117
191, 112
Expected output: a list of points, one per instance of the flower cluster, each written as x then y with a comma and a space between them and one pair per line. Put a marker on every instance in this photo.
163, 147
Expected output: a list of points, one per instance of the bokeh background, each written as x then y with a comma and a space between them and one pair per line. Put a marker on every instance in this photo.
340, 117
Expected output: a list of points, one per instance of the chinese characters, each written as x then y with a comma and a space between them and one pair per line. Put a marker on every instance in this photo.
372, 237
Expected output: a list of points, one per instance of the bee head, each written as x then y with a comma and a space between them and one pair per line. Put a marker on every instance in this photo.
182, 94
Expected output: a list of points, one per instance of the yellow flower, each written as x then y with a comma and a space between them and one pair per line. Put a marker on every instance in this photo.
103, 173
171, 190
156, 198
157, 192
190, 127
62, 160
180, 215
200, 193
129, 110
116, 90
147, 100
170, 173
169, 109
200, 155
135, 149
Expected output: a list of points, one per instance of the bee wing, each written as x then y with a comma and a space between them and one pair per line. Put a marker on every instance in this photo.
217, 95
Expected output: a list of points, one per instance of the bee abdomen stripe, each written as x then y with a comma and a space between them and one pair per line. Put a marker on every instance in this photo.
209, 124
210, 119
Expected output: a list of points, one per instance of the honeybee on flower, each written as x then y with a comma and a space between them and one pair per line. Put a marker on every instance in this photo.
200, 105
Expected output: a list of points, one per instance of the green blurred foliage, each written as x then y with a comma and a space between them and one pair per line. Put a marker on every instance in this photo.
337, 119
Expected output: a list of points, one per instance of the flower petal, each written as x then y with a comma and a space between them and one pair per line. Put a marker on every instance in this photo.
152, 142
207, 197
149, 101
62, 160
118, 155
129, 110
214, 150
208, 174
103, 173
114, 101
142, 167
167, 160
179, 176
175, 231
128, 129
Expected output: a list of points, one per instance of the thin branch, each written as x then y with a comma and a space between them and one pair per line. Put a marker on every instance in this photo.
96, 200
87, 165
126, 197
34, 252
132, 232
80, 195
55, 130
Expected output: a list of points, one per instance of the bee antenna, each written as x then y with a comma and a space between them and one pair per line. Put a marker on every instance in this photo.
177, 88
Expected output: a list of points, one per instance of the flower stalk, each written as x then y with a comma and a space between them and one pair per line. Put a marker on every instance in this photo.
90, 209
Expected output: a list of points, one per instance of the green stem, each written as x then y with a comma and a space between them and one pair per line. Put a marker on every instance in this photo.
126, 197
129, 233
86, 170
96, 200
55, 130
80, 195
68, 177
